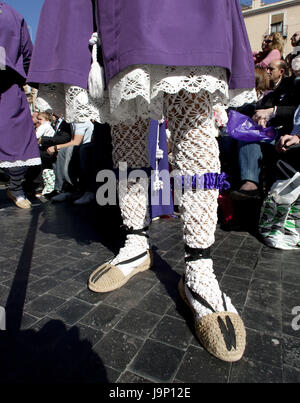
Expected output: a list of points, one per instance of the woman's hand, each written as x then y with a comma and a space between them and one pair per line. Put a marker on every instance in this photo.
50, 150
286, 141
262, 116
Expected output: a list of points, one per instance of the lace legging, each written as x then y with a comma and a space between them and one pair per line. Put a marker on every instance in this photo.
195, 151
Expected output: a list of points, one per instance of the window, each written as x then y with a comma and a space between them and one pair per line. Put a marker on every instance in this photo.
277, 23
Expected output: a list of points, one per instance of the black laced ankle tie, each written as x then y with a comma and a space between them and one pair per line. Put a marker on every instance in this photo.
196, 253
131, 231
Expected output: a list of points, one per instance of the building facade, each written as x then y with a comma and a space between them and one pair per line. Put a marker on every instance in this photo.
261, 19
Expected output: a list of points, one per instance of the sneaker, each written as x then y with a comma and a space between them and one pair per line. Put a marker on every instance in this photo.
20, 201
88, 197
63, 196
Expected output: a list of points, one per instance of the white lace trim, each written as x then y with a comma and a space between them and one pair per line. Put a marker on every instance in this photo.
138, 91
240, 97
72, 102
81, 107
20, 163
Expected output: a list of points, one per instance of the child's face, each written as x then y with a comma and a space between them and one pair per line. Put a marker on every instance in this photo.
41, 119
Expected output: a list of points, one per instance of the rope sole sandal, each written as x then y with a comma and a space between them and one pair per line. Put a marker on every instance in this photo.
222, 334
109, 277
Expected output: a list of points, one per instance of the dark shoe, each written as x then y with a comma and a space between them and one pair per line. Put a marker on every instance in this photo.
61, 197
52, 194
245, 194
44, 199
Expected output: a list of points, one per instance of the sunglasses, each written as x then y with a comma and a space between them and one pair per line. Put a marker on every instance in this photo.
271, 68
267, 41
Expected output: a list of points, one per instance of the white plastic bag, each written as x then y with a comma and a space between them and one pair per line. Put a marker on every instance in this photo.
279, 222
286, 191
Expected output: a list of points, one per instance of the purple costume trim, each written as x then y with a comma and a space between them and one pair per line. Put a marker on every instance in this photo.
205, 181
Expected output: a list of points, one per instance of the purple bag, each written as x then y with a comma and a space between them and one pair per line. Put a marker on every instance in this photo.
242, 127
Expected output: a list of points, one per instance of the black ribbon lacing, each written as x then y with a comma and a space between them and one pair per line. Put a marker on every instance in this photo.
193, 254
131, 231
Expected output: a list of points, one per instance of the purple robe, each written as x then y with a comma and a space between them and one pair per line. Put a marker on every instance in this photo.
61, 51
17, 134
168, 32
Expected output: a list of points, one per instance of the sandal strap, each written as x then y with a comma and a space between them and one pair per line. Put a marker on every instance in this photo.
131, 260
224, 303
227, 328
131, 231
201, 300
196, 253
198, 297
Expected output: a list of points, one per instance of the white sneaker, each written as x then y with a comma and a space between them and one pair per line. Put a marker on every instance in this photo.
61, 197
85, 199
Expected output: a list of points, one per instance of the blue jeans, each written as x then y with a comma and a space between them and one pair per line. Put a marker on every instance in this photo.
16, 175
250, 156
61, 167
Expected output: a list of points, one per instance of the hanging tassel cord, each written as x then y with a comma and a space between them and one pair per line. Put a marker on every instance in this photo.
96, 79
158, 184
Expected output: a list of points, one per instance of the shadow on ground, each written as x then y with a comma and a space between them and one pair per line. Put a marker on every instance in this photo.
50, 354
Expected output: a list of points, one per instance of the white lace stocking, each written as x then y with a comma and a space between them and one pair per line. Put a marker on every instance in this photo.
130, 146
134, 211
195, 151
200, 278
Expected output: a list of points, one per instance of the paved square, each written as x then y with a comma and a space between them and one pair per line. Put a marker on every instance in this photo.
59, 331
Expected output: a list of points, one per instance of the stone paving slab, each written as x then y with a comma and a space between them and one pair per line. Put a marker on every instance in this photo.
59, 331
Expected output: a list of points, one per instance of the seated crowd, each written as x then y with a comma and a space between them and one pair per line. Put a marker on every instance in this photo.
251, 166
276, 108
67, 150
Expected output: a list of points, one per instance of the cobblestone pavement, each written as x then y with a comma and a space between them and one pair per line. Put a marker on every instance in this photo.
57, 330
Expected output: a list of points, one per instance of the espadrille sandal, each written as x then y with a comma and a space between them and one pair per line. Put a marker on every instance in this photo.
109, 277
221, 333
20, 202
